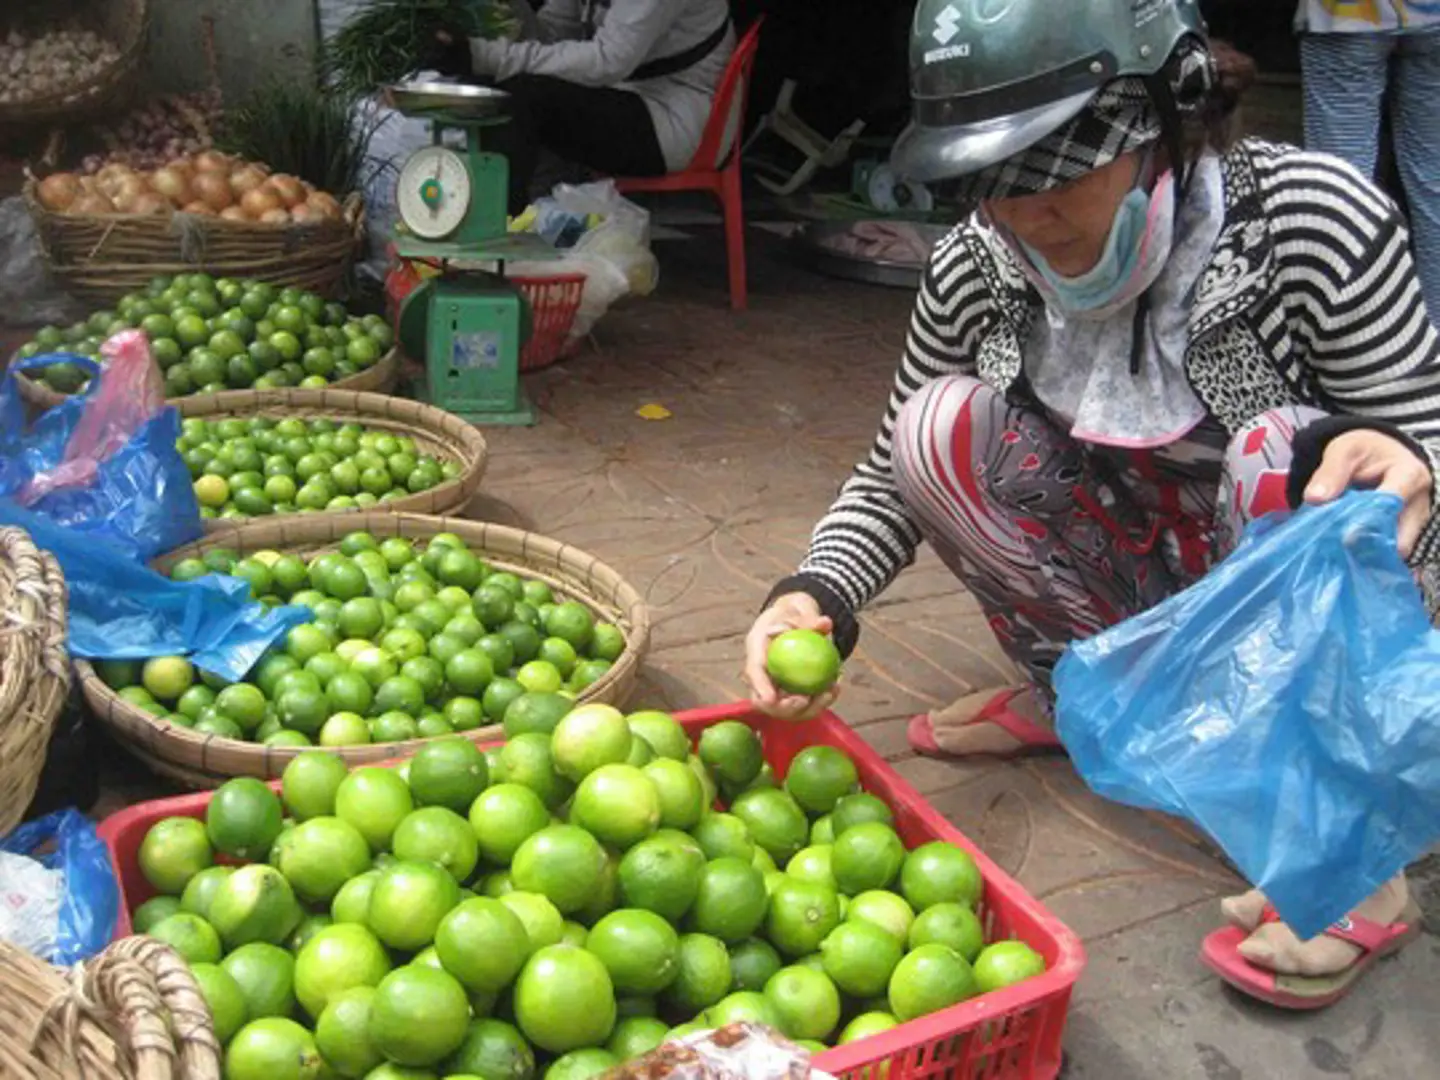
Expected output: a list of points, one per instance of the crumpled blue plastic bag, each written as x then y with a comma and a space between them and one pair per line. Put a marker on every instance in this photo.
141, 498
121, 610
91, 899
1288, 704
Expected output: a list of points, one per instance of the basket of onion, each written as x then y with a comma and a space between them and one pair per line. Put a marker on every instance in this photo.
67, 61
109, 233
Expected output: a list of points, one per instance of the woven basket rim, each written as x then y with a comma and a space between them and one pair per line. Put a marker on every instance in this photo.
571, 570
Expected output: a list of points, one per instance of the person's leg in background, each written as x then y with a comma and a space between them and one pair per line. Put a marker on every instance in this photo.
1416, 125
994, 489
605, 129
1257, 467
1343, 78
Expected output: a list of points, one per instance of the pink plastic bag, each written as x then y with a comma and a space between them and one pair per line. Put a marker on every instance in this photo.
131, 391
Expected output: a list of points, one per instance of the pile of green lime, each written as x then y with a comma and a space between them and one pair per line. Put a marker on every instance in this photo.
560, 904
407, 641
226, 334
258, 466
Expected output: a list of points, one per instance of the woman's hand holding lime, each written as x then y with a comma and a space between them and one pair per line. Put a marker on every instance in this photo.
784, 686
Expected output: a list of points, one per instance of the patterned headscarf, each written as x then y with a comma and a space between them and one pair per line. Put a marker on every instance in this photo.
1120, 118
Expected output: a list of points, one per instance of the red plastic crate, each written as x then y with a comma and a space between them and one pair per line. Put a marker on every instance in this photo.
1014, 1034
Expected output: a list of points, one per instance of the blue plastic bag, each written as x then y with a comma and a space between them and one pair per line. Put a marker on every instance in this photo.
119, 609
1287, 704
133, 491
90, 898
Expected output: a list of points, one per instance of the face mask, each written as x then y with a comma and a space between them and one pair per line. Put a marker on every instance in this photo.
1134, 254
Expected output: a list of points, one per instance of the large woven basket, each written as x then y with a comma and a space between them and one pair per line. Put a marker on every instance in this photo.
132, 1013
101, 257
435, 431
124, 23
34, 667
199, 760
379, 378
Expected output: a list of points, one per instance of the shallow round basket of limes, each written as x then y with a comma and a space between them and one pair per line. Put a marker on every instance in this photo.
422, 627
209, 335
259, 454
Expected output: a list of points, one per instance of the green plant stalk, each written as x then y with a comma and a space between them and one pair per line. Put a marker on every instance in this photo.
392, 38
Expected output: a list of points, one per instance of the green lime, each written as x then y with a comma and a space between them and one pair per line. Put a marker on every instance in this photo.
702, 975
352, 902
887, 910
618, 804
190, 936
564, 1000
867, 856
860, 957
774, 820
806, 1001
660, 730
448, 773
928, 979
662, 876
419, 1016
813, 864
265, 974
342, 1033
438, 835
408, 902
483, 943
731, 901
639, 949
752, 963
819, 776
865, 1025
320, 855
154, 910
375, 801
174, 850
338, 958
222, 994
255, 903
492, 1048
732, 751
563, 863
1006, 963
946, 923
743, 1007
635, 1036
682, 799
501, 692
200, 892
588, 737
527, 759
857, 809
504, 817
544, 925
536, 712
721, 834
243, 816
801, 914
273, 1048
937, 873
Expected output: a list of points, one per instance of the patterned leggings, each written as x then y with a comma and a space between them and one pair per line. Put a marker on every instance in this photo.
1055, 540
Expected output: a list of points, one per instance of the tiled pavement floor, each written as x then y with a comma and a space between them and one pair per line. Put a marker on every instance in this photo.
704, 510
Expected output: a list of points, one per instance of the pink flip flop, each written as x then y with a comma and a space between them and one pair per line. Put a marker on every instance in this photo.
1034, 739
1220, 952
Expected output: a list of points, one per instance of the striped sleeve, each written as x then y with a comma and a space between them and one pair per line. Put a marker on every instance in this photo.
1355, 306
868, 535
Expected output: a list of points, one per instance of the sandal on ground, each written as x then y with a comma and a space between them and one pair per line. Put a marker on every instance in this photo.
1221, 953
1033, 738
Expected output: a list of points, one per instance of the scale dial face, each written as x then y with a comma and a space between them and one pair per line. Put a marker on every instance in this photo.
433, 192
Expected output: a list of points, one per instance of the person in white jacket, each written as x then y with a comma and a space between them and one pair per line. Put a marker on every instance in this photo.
623, 87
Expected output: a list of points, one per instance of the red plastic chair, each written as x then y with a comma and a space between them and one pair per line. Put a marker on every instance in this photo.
716, 165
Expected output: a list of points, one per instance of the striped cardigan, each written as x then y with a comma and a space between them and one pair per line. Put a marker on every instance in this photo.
1310, 297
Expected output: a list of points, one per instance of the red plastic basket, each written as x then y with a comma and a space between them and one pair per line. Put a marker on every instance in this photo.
1011, 1034
554, 302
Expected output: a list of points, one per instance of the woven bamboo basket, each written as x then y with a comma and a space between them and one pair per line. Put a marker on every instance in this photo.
435, 431
124, 23
34, 667
378, 378
101, 257
132, 1013
203, 761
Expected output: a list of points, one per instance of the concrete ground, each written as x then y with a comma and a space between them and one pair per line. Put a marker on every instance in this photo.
703, 511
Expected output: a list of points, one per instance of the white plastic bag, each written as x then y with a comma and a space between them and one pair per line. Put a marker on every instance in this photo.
614, 256
30, 904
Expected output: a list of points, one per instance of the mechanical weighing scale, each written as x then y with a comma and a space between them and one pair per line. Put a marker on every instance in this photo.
469, 324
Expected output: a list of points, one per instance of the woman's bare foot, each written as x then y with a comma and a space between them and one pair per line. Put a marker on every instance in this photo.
957, 733
1275, 947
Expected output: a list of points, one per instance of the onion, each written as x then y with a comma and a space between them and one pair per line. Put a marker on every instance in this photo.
259, 201
112, 176
325, 203
277, 216
149, 203
234, 213
59, 190
212, 161
213, 189
198, 207
172, 184
290, 190
246, 179
92, 203
305, 214
129, 188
